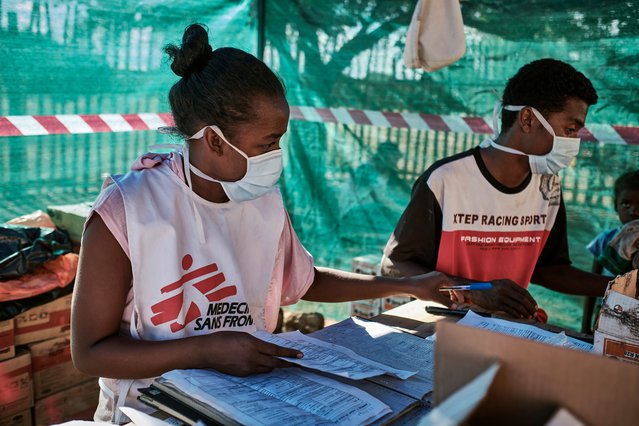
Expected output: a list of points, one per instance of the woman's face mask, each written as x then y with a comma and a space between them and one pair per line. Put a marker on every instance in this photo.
262, 171
563, 151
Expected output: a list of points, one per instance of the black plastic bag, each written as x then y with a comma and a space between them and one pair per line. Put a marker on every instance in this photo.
24, 249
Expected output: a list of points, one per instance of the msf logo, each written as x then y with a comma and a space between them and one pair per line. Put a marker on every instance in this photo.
169, 310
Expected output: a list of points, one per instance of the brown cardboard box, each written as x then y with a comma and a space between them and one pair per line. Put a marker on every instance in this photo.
533, 380
71, 218
368, 265
392, 302
16, 389
76, 403
7, 340
52, 367
366, 308
43, 322
617, 327
23, 418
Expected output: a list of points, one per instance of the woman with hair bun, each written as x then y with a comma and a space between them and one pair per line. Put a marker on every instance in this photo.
188, 253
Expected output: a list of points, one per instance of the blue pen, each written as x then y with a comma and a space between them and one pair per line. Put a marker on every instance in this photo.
469, 286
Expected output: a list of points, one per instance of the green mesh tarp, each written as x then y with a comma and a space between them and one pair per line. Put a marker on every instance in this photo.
344, 185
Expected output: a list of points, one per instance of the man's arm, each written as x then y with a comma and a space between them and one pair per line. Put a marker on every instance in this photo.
553, 269
570, 280
596, 267
413, 247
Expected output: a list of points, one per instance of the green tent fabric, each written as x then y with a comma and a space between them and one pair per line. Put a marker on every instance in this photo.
344, 185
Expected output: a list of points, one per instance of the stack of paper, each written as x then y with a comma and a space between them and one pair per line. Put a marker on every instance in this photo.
333, 393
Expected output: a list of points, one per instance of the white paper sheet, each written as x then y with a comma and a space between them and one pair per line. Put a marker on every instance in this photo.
461, 404
142, 419
525, 331
389, 346
289, 396
330, 358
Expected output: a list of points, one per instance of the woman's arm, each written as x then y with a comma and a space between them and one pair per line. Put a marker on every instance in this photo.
98, 348
331, 285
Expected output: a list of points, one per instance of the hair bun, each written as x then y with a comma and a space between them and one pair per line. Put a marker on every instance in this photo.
193, 54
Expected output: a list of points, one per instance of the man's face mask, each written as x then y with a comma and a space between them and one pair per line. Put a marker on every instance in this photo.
563, 151
262, 171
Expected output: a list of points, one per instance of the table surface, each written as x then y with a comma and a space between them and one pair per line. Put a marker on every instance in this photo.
412, 318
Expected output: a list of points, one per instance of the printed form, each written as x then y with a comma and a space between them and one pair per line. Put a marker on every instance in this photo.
525, 331
290, 396
389, 346
331, 358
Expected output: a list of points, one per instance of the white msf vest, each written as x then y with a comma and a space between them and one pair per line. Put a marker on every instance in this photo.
183, 287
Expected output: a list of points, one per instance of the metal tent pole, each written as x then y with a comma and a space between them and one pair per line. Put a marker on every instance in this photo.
261, 28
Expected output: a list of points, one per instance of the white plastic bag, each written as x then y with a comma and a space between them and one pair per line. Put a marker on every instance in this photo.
435, 36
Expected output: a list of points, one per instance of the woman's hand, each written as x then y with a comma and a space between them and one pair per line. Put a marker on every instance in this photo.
241, 354
427, 287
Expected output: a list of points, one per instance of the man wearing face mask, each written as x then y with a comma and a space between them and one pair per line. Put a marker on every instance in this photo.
495, 213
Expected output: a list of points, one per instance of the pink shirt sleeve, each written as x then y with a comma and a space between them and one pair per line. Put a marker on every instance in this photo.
299, 269
110, 206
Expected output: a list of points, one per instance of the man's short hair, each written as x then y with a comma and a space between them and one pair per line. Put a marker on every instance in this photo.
545, 84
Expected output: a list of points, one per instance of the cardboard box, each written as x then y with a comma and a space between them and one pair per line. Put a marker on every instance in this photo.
7, 339
372, 265
392, 302
16, 389
52, 367
44, 322
76, 403
366, 308
71, 218
617, 327
530, 381
368, 265
23, 418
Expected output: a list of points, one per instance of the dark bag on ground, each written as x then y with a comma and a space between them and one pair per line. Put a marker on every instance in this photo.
24, 249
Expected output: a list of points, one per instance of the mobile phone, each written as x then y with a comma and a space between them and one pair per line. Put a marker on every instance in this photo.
436, 310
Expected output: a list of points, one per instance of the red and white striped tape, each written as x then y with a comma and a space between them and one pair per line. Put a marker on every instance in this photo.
31, 125
28, 125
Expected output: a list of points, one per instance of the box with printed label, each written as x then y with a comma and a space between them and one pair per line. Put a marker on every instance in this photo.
487, 378
23, 418
7, 339
368, 265
366, 308
43, 322
16, 388
76, 403
52, 367
392, 302
617, 327
71, 218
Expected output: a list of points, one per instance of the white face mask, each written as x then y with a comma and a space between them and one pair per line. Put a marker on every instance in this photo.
262, 171
563, 151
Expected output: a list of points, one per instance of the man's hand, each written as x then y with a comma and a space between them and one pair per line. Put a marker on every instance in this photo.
505, 296
241, 354
427, 287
